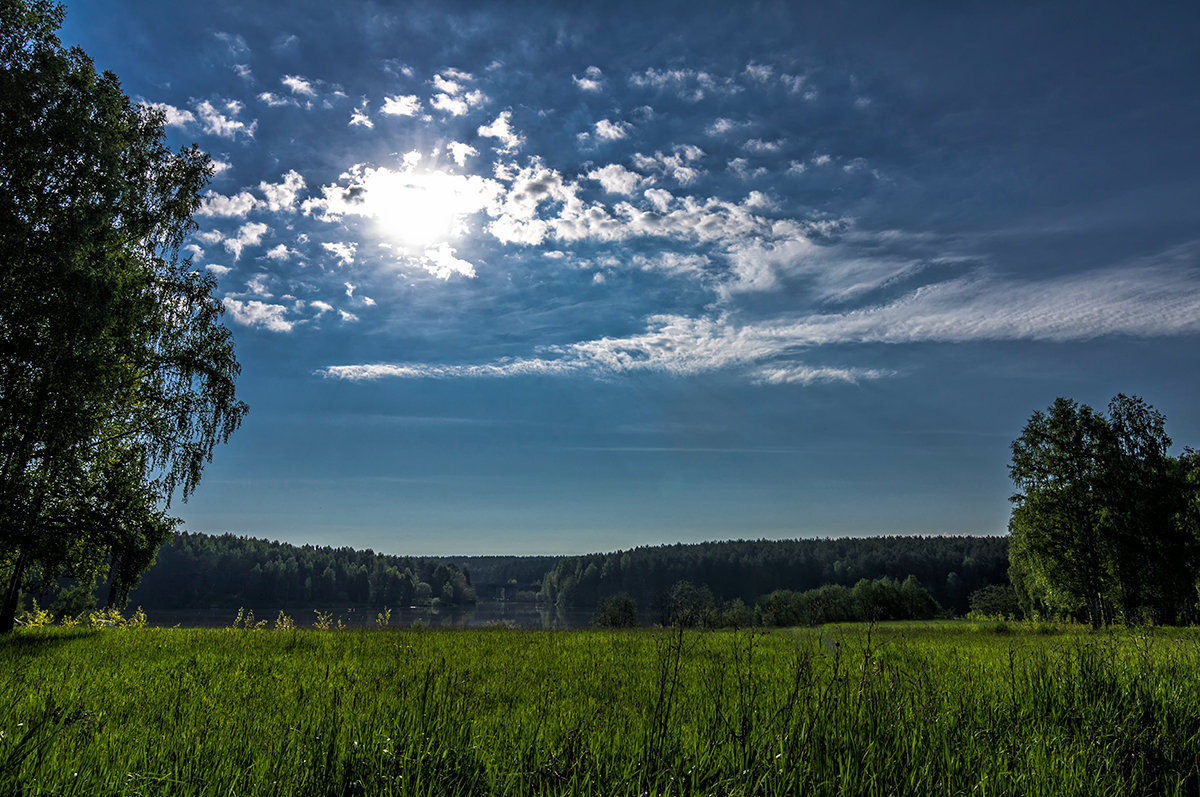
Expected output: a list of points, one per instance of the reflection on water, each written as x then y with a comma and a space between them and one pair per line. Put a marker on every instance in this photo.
481, 615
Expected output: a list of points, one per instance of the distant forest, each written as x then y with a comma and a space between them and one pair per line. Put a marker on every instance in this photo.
949, 568
200, 571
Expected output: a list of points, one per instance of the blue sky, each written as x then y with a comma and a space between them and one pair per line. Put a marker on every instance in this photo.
518, 278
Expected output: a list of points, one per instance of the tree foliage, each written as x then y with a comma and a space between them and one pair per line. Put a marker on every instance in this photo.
1103, 523
116, 373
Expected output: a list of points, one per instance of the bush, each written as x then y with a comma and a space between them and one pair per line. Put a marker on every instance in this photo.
618, 611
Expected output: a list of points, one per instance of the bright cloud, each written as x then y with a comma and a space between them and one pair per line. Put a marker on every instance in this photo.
282, 196
460, 152
591, 80
616, 179
360, 116
173, 117
440, 261
501, 129
401, 105
415, 209
344, 252
677, 165
1153, 301
255, 313
299, 85
238, 206
218, 124
248, 235
611, 131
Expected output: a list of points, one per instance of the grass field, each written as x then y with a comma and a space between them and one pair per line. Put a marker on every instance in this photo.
905, 709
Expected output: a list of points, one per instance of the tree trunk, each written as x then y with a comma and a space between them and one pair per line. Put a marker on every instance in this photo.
113, 578
8, 611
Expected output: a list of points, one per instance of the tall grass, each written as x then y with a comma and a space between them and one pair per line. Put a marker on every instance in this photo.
903, 709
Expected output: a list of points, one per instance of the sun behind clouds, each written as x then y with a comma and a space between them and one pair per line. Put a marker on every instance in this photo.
420, 213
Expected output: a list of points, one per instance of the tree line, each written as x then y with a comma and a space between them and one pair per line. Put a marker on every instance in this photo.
688, 605
949, 568
200, 571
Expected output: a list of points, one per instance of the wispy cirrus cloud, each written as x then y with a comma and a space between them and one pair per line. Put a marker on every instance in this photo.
1157, 299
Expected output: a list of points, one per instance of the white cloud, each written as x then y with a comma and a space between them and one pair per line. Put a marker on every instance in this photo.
321, 307
173, 117
440, 261
722, 126
360, 117
282, 196
257, 285
344, 252
460, 152
248, 235
276, 101
220, 271
280, 252
611, 131
591, 80
401, 105
194, 251
660, 198
807, 374
501, 129
759, 72
238, 206
219, 166
414, 209
350, 289
1147, 301
368, 301
616, 179
258, 314
347, 317
210, 237
759, 146
822, 160
243, 71
298, 85
688, 84
218, 124
451, 80
451, 105
690, 265
677, 165
452, 98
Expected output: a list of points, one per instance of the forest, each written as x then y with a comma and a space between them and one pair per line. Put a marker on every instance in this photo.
949, 568
200, 571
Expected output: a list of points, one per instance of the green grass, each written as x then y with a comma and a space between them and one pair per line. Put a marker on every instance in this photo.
905, 709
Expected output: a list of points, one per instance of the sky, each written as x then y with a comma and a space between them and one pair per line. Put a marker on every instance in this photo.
537, 278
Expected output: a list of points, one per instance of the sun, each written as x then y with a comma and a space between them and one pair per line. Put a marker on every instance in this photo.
419, 209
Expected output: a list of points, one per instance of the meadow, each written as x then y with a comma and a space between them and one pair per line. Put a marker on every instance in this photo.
915, 708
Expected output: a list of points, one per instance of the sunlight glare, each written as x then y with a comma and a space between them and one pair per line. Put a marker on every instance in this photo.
420, 209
